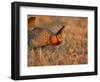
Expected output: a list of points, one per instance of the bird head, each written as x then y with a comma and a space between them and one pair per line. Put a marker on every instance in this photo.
57, 38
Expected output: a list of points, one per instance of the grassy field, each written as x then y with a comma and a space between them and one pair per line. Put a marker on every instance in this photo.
73, 49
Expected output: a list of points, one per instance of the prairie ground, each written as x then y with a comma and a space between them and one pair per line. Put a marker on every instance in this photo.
72, 50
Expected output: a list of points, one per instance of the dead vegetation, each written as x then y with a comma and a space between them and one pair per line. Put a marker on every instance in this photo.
73, 49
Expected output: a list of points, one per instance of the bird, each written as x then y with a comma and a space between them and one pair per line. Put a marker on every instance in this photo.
41, 37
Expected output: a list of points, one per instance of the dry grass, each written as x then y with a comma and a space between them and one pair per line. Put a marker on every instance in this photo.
73, 49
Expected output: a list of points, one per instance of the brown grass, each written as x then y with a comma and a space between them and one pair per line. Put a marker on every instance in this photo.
73, 49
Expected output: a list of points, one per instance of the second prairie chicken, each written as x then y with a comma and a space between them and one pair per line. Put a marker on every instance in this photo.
40, 37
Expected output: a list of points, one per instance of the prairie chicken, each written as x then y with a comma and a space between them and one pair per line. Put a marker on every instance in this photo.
40, 37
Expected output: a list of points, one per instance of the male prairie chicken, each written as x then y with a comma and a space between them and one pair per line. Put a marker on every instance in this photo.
40, 37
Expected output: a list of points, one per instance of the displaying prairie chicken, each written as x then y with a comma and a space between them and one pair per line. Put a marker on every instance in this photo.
40, 37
